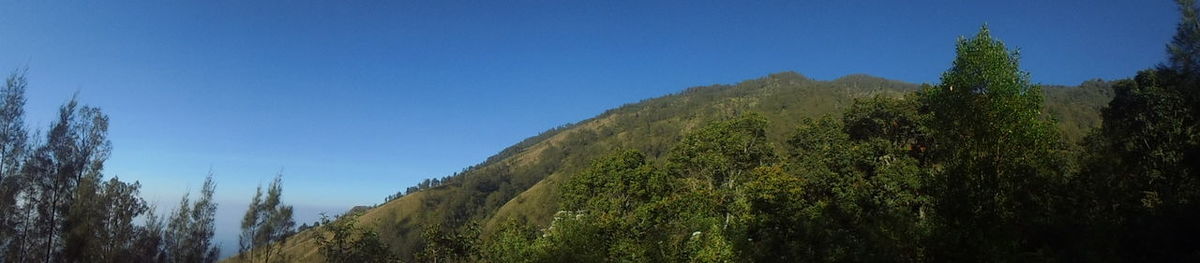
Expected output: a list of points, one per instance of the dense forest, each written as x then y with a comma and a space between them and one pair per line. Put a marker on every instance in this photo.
982, 166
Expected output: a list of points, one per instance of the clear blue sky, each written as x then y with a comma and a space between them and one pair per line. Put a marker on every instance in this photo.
355, 100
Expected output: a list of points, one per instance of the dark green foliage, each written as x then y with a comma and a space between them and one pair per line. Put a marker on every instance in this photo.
266, 225
443, 244
606, 201
724, 196
1140, 168
713, 165
55, 203
149, 245
12, 149
343, 241
615, 185
68, 170
973, 169
14, 217
1183, 53
624, 209
998, 162
651, 127
512, 243
1077, 108
190, 229
863, 198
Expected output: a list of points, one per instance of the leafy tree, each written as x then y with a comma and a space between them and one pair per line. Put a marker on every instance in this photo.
342, 240
613, 202
117, 233
623, 209
64, 169
998, 160
573, 237
13, 148
1140, 167
190, 229
852, 190
512, 243
443, 244
1184, 50
711, 246
148, 246
267, 223
56, 204
713, 164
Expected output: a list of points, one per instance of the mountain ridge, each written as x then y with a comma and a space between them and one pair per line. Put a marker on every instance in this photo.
520, 182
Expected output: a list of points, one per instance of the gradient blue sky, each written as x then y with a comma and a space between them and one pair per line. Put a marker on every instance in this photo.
355, 100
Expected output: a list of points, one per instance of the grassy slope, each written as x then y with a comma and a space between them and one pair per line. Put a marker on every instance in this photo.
521, 182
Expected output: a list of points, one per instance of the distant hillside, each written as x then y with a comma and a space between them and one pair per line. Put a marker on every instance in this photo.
521, 181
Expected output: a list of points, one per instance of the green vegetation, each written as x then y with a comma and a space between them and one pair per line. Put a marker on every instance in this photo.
57, 206
191, 228
266, 225
969, 170
841, 170
347, 242
983, 166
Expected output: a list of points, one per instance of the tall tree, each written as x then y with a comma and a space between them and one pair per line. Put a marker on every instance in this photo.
714, 165
190, 229
74, 152
149, 241
1141, 167
117, 234
1183, 53
81, 164
999, 158
56, 204
250, 221
12, 150
267, 223
614, 216
855, 192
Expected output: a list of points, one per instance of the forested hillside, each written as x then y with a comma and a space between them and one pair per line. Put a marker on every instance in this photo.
983, 166
523, 183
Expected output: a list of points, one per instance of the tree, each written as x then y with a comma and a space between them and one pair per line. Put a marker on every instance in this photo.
513, 242
248, 240
1140, 167
190, 229
999, 161
343, 241
117, 234
267, 223
622, 208
56, 205
850, 191
714, 165
13, 148
63, 169
149, 245
443, 244
1184, 50
609, 211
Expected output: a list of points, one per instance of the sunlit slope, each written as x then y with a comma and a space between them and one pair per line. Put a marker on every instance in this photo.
521, 182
